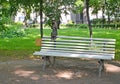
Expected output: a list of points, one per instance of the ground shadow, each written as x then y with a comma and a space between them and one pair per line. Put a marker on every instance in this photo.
65, 71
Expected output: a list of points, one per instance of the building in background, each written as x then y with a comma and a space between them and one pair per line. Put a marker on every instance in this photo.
65, 19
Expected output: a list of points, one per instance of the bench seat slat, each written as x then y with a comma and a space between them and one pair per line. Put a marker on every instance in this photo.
74, 55
82, 51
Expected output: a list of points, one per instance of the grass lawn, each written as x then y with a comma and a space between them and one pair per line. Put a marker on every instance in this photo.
19, 48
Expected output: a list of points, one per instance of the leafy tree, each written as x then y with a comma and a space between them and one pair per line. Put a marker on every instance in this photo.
110, 8
96, 5
4, 8
7, 9
113, 9
78, 8
53, 9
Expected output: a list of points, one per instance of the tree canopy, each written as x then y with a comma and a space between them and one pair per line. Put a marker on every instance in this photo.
53, 8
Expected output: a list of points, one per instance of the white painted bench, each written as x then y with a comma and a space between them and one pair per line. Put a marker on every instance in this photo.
79, 47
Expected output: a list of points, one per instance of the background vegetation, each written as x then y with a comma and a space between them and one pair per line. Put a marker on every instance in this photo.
22, 45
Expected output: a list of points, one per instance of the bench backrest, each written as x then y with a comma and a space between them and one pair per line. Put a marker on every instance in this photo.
97, 46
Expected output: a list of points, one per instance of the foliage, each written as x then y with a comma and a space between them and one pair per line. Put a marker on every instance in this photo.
78, 6
77, 25
3, 22
110, 8
6, 11
54, 8
96, 21
96, 5
113, 9
12, 32
2, 27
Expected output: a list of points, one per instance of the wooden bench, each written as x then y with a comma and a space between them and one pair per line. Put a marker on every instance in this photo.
79, 47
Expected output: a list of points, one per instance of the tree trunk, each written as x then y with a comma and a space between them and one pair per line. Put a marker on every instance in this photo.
97, 15
25, 21
54, 30
41, 17
108, 18
103, 17
81, 16
88, 18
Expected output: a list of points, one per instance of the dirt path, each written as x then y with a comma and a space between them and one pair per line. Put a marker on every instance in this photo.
65, 71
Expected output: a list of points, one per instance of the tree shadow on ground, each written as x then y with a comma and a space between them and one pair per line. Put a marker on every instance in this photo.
65, 71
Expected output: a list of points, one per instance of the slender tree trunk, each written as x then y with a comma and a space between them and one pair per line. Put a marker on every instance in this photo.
103, 12
108, 18
81, 16
88, 18
97, 15
35, 20
41, 17
25, 21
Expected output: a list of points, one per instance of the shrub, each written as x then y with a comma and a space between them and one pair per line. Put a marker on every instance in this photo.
97, 21
12, 32
3, 22
77, 25
2, 27
82, 25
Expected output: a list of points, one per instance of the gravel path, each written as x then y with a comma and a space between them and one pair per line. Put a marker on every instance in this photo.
65, 71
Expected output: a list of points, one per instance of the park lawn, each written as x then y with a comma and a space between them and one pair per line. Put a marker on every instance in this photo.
17, 48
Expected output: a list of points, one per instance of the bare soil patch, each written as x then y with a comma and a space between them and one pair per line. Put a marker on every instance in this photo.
65, 71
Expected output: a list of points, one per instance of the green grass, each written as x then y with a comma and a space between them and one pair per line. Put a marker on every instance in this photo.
17, 48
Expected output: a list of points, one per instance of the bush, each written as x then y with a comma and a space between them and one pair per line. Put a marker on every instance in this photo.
82, 26
3, 22
77, 25
113, 26
97, 21
12, 32
2, 27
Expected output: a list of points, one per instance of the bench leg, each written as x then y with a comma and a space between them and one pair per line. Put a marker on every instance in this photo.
50, 60
53, 61
45, 62
101, 66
